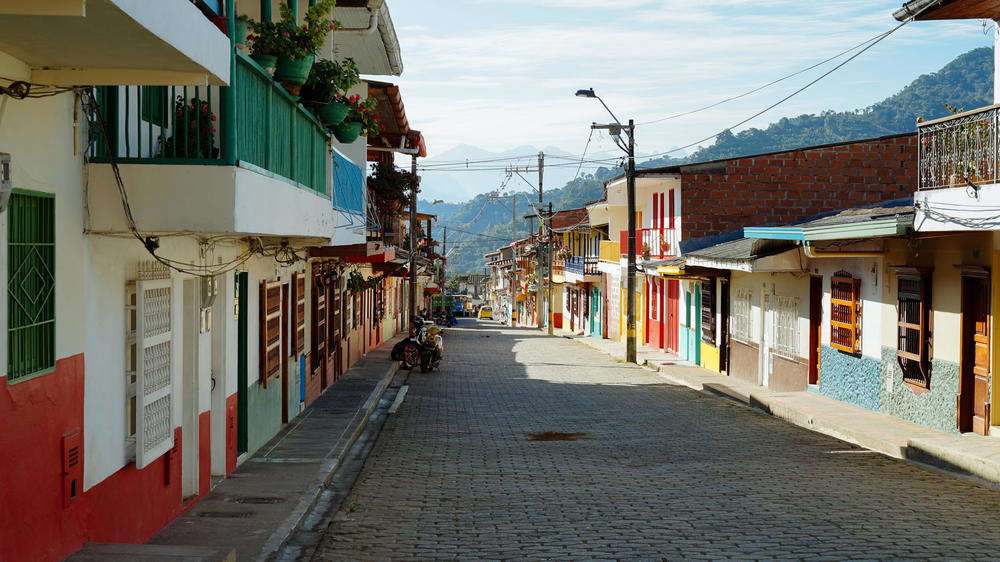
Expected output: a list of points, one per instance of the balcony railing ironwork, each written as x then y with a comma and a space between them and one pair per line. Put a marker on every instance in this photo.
189, 125
958, 150
582, 265
660, 242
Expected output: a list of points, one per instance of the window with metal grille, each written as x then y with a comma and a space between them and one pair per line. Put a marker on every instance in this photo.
31, 284
912, 328
742, 306
845, 313
708, 311
786, 326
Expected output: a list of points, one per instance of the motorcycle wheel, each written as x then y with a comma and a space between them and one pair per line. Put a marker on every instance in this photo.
411, 356
425, 364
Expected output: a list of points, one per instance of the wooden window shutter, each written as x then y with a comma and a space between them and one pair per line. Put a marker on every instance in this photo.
845, 314
299, 312
270, 331
708, 311
155, 371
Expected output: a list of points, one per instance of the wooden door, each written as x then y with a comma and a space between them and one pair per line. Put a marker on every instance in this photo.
334, 362
815, 326
724, 327
673, 322
973, 388
319, 328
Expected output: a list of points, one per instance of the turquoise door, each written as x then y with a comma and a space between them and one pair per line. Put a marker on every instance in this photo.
692, 306
595, 313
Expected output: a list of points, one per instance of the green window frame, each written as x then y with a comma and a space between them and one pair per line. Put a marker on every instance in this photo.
31, 284
153, 104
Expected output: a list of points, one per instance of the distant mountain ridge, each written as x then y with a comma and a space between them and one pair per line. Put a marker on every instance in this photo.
965, 83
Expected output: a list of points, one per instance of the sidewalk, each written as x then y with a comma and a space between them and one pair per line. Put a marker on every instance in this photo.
968, 454
257, 508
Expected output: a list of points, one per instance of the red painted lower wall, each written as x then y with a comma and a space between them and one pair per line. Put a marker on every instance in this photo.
231, 422
128, 506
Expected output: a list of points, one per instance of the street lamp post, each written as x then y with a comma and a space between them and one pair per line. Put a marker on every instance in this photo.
615, 130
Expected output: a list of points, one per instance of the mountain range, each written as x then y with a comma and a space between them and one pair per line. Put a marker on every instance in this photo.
479, 225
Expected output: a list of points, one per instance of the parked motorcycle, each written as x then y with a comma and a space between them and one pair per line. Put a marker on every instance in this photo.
424, 346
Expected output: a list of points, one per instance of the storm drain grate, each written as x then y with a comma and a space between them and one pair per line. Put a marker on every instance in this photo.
257, 500
226, 514
556, 436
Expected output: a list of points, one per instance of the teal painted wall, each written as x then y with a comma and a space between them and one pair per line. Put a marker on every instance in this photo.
934, 409
264, 414
293, 388
683, 334
850, 378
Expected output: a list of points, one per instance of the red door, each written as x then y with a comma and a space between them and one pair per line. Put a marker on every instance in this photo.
673, 309
654, 315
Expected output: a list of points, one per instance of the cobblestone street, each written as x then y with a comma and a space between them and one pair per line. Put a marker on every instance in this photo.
472, 467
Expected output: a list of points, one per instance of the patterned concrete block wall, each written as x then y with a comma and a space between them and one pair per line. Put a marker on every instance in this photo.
850, 378
934, 409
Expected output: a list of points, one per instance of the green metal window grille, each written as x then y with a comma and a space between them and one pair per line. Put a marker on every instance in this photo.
153, 104
31, 311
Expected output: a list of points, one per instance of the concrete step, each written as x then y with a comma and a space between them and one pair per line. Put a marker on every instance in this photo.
102, 552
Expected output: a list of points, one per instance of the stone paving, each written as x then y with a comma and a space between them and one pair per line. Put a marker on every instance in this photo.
660, 472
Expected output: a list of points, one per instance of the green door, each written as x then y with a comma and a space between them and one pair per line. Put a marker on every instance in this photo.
242, 279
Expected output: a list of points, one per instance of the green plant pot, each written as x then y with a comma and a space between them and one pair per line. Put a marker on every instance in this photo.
242, 31
267, 62
294, 71
332, 113
347, 132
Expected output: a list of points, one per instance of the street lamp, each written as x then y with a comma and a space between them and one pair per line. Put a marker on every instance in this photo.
615, 131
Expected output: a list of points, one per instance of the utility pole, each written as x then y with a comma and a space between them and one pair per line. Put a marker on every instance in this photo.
538, 268
630, 346
444, 263
548, 294
413, 240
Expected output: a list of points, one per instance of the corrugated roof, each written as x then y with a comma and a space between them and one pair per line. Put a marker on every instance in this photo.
744, 249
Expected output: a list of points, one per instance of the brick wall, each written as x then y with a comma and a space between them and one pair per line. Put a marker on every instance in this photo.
789, 186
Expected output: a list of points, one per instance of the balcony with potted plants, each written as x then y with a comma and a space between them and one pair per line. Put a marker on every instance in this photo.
103, 42
234, 150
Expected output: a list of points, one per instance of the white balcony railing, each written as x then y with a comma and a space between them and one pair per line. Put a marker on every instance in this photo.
958, 150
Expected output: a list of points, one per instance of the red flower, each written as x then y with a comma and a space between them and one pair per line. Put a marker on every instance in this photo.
214, 118
178, 113
213, 129
375, 116
250, 37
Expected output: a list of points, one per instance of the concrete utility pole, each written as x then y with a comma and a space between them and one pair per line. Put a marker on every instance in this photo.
444, 261
538, 252
413, 240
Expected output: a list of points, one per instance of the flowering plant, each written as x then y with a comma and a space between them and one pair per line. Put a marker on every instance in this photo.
263, 39
193, 131
300, 41
329, 78
363, 111
646, 250
563, 253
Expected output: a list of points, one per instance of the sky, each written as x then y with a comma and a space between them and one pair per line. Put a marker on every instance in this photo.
501, 74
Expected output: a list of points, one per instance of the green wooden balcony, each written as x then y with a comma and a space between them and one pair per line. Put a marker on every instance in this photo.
265, 130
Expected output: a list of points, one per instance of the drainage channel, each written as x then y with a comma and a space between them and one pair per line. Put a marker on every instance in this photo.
303, 541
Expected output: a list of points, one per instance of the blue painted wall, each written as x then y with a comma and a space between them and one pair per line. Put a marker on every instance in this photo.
850, 378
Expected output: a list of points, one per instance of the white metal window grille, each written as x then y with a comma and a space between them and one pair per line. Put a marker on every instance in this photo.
786, 326
742, 307
150, 372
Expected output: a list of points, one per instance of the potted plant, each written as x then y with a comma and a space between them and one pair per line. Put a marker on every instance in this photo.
242, 31
193, 134
391, 185
361, 119
298, 44
564, 253
327, 80
664, 245
263, 42
646, 250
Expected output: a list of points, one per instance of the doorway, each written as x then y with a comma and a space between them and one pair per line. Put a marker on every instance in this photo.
973, 385
673, 323
242, 415
815, 326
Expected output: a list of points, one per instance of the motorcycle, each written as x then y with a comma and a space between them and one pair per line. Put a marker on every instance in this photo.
424, 346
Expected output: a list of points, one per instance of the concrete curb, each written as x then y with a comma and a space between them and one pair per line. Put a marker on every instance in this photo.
329, 468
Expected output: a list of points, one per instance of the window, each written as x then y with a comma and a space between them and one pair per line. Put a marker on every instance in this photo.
913, 331
708, 311
845, 313
270, 331
299, 312
742, 307
153, 104
31, 284
786, 327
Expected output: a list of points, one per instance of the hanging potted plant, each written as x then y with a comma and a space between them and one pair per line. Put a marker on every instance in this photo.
298, 44
361, 119
391, 186
646, 250
327, 80
263, 43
